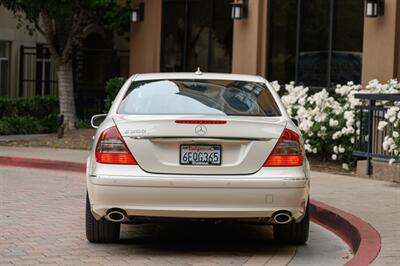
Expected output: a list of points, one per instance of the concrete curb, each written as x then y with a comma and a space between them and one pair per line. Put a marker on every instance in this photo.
361, 237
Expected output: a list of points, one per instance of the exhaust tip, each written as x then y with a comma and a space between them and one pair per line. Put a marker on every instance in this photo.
282, 217
116, 215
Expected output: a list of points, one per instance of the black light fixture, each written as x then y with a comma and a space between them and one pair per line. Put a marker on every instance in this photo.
137, 13
374, 8
239, 9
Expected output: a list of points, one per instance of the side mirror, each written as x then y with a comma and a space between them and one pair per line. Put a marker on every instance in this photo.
295, 121
97, 120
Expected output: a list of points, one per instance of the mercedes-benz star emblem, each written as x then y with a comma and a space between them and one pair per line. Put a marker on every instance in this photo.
200, 130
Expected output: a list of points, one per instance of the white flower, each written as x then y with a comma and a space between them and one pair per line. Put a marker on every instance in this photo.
395, 134
391, 161
334, 157
302, 101
341, 149
382, 125
389, 144
315, 150
391, 114
393, 146
308, 147
335, 149
345, 166
333, 122
336, 135
275, 85
306, 125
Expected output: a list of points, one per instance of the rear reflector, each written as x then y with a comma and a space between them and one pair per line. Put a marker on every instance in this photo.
210, 122
111, 148
287, 151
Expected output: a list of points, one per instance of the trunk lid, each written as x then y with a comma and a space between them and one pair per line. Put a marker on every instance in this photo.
155, 141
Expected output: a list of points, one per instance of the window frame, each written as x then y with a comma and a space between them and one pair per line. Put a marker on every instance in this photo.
6, 58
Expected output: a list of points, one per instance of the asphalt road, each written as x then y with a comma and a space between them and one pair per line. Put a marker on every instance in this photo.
42, 222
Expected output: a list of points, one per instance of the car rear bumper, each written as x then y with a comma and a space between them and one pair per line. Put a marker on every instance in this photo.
152, 195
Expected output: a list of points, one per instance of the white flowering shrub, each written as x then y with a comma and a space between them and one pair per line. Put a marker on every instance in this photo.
392, 86
391, 123
391, 127
328, 122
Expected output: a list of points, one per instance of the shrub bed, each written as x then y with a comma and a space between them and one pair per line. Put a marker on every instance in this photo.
328, 121
28, 115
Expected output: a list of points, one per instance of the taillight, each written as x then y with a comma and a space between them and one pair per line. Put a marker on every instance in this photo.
111, 148
287, 151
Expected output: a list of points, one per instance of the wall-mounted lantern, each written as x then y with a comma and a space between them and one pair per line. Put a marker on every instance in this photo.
374, 8
239, 9
137, 13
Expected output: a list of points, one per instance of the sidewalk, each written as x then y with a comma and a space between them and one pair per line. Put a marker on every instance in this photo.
377, 202
78, 156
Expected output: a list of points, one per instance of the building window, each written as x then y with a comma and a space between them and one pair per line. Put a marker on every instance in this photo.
37, 72
317, 43
4, 68
196, 33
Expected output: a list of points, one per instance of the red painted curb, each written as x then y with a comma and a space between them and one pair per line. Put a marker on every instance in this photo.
361, 237
43, 164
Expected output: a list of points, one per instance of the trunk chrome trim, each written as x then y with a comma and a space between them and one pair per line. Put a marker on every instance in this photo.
172, 139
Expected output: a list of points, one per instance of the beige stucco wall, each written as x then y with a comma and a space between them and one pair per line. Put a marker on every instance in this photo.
16, 37
249, 40
145, 39
380, 49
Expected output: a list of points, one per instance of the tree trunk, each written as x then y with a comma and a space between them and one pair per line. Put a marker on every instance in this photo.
66, 95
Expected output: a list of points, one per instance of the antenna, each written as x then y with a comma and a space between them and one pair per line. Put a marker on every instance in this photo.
198, 71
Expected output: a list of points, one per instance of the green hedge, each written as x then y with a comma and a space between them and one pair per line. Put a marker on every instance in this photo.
31, 115
113, 86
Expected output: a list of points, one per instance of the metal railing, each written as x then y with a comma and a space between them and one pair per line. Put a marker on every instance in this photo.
369, 139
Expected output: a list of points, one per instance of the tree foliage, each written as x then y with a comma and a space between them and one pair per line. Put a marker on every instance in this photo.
62, 22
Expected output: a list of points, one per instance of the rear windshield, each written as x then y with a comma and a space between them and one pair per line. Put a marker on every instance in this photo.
211, 97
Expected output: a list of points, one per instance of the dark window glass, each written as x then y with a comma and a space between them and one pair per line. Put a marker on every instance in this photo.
211, 97
173, 34
199, 29
313, 44
282, 36
196, 33
220, 56
4, 67
347, 41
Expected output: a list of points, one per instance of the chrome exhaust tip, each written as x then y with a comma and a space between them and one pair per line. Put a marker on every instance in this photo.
116, 215
282, 218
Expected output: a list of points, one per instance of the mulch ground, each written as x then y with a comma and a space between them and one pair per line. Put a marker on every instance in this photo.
82, 139
76, 139
334, 167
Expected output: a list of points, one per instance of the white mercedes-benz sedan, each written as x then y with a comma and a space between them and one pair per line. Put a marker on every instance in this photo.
197, 146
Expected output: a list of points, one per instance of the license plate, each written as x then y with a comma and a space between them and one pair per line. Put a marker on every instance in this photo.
200, 154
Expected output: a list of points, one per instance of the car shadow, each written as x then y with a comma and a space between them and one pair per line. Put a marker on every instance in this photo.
189, 237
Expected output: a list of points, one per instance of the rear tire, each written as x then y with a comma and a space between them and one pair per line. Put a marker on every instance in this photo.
100, 231
293, 233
